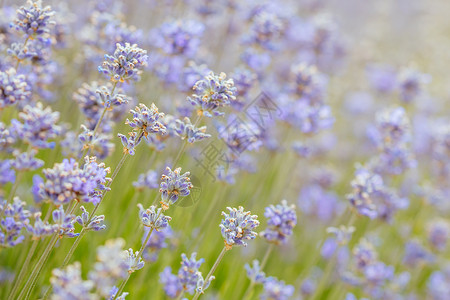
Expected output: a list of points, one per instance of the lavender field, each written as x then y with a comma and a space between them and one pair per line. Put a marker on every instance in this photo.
223, 149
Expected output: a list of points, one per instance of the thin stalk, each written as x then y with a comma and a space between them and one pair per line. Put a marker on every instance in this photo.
211, 272
31, 281
15, 186
180, 295
249, 291
183, 148
23, 270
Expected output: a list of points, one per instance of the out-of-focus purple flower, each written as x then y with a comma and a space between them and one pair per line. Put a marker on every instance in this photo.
34, 20
244, 80
281, 219
416, 253
95, 223
156, 242
438, 234
7, 173
27, 161
237, 227
125, 64
439, 283
256, 59
187, 131
66, 181
211, 93
172, 285
266, 27
392, 128
68, 284
99, 145
37, 181
276, 289
111, 100
313, 200
309, 84
240, 135
411, 84
38, 127
174, 185
149, 180
110, 267
254, 273
383, 78
14, 218
192, 73
13, 88
65, 222
153, 218
7, 138
364, 254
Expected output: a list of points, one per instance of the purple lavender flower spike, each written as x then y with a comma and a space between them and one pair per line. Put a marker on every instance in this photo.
109, 101
15, 217
125, 64
147, 120
254, 273
134, 263
211, 93
153, 217
27, 161
281, 219
411, 84
237, 227
438, 284
38, 127
276, 289
95, 224
40, 228
438, 234
64, 222
149, 180
100, 144
174, 185
172, 286
187, 131
157, 241
68, 284
34, 20
13, 88
7, 173
416, 253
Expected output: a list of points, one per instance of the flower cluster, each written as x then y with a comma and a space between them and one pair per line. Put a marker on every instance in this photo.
174, 185
281, 220
125, 64
153, 218
187, 131
146, 120
66, 181
14, 219
237, 227
34, 20
211, 93
13, 88
95, 223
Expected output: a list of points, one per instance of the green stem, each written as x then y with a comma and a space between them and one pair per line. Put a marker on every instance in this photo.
31, 282
211, 272
180, 295
23, 270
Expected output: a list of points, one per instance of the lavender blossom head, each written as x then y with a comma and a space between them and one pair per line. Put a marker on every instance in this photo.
27, 161
237, 227
153, 217
188, 274
187, 131
172, 285
281, 219
64, 222
174, 185
309, 85
147, 120
134, 262
68, 283
38, 127
34, 20
95, 223
254, 272
265, 29
66, 181
14, 218
99, 145
411, 84
125, 64
276, 289
438, 234
211, 93
148, 180
158, 240
393, 127
7, 173
41, 228
13, 88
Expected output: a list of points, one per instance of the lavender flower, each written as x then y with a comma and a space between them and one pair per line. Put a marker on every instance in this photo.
266, 27
40, 228
187, 131
276, 289
66, 181
109, 100
309, 85
68, 284
99, 145
156, 242
7, 138
438, 283
317, 202
147, 120
438, 234
411, 84
65, 222
133, 261
13, 88
416, 253
240, 135
96, 223
38, 127
254, 273
282, 218
393, 127
34, 20
125, 64
110, 267
211, 93
15, 217
7, 173
149, 180
172, 286
174, 185
237, 227
27, 161
153, 217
